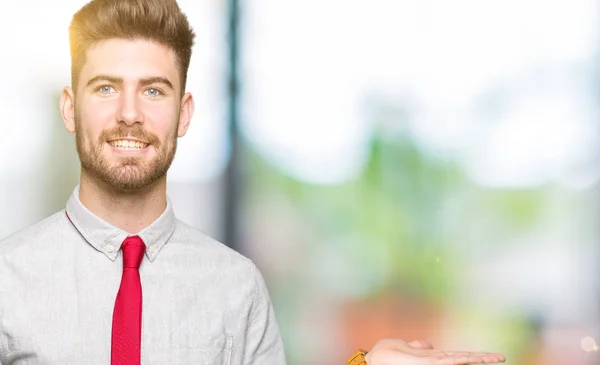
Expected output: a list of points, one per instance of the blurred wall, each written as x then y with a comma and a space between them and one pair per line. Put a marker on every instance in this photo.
426, 169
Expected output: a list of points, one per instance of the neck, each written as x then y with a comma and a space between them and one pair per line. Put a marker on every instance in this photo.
132, 211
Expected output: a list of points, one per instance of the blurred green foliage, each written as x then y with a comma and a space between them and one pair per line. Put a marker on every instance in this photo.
402, 218
404, 225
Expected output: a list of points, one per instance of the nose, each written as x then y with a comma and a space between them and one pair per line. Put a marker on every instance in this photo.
129, 112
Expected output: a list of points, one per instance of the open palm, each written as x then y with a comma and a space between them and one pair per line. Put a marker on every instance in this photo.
399, 352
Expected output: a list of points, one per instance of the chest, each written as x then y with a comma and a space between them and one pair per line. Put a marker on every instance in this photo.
65, 316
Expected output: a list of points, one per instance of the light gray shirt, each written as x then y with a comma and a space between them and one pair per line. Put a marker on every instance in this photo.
203, 303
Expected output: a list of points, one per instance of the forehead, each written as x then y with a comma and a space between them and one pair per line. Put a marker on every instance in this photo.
130, 60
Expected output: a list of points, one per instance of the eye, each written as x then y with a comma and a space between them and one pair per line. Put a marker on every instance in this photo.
152, 92
106, 90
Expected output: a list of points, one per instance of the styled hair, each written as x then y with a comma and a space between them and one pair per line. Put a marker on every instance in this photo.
160, 21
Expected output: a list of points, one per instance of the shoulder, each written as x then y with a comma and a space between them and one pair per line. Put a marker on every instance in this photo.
35, 234
194, 242
201, 255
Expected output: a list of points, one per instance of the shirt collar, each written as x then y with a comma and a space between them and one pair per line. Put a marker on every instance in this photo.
107, 238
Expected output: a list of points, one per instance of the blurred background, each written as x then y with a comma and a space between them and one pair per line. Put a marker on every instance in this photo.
422, 169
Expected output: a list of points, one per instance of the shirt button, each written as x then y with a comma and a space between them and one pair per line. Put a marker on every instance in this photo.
109, 249
152, 249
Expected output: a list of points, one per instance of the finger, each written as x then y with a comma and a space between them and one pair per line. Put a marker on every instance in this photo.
420, 344
488, 357
461, 357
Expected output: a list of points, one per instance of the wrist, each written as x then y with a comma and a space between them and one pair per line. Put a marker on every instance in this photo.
358, 358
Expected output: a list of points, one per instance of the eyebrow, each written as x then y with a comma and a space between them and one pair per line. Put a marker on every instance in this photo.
156, 80
119, 81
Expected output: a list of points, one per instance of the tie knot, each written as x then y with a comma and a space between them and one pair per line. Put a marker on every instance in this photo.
133, 252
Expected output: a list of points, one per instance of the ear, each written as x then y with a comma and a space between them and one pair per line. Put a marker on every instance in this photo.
186, 113
67, 109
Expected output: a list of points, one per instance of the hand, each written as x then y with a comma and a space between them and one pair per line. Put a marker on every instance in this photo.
398, 352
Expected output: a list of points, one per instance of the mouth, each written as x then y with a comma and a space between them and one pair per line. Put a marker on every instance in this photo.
128, 144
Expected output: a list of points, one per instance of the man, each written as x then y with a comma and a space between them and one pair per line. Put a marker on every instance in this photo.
115, 277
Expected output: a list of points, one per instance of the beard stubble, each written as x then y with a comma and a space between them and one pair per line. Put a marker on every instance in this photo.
128, 174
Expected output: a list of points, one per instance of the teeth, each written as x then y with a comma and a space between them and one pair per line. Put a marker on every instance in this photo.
128, 145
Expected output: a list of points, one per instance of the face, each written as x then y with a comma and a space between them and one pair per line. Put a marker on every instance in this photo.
127, 112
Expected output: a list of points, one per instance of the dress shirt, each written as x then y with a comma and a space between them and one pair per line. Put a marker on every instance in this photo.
203, 303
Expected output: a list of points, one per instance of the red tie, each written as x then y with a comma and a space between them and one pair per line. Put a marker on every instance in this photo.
127, 317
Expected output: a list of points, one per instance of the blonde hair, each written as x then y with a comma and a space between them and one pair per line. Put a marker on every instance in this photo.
160, 21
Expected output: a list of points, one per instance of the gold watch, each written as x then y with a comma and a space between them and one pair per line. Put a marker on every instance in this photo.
358, 358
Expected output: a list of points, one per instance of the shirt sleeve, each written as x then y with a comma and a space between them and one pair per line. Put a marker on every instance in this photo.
263, 340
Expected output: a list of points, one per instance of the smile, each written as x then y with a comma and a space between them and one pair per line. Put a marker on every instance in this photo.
124, 144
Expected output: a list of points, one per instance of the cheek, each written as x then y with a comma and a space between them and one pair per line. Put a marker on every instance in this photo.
103, 110
96, 116
161, 119
91, 128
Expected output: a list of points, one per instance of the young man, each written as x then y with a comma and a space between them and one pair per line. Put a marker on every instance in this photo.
71, 285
